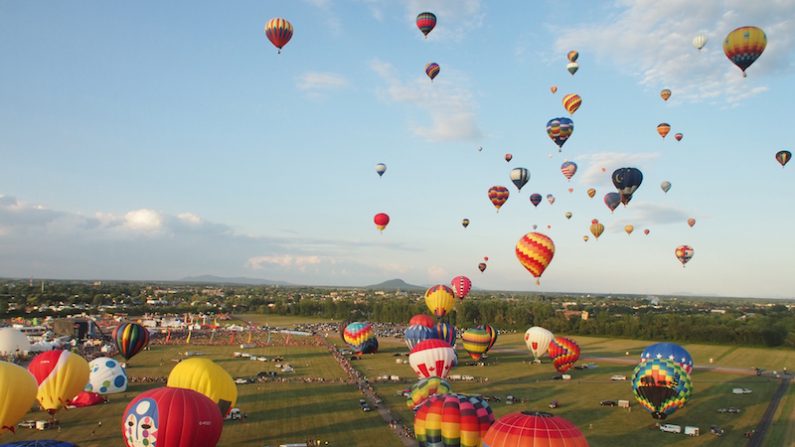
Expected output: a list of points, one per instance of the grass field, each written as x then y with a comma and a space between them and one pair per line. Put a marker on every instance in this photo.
291, 412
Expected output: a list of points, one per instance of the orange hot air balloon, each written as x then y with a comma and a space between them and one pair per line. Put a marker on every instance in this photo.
572, 102
498, 196
535, 251
381, 220
553, 89
597, 228
691, 222
591, 192
665, 94
629, 229
646, 231
279, 31
663, 129
571, 190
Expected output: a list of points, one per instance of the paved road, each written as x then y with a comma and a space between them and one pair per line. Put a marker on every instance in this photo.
767, 419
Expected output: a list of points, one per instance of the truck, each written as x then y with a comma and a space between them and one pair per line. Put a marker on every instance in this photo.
623, 404
671, 428
691, 431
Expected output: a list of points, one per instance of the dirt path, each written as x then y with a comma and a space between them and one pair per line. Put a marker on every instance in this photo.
764, 424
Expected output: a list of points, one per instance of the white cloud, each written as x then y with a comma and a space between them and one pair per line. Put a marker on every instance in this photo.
438, 274
456, 19
285, 261
189, 218
598, 167
652, 40
447, 102
143, 220
317, 83
644, 214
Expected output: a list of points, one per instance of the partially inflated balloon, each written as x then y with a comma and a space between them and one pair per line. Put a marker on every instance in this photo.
572, 102
432, 358
380, 168
61, 375
533, 429
783, 157
476, 342
684, 253
665, 186
661, 386
279, 31
519, 177
564, 353
18, 390
591, 192
361, 337
498, 196
612, 200
559, 130
568, 169
130, 339
440, 299
663, 129
208, 378
432, 70
452, 420
425, 388
461, 285
537, 340
426, 22
535, 251
665, 94
744, 45
536, 198
597, 228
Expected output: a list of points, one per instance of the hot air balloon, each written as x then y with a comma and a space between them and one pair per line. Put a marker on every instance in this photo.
665, 186
553, 89
432, 358
551, 199
572, 102
130, 339
572, 56
432, 70
13, 342
572, 67
61, 375
519, 177
665, 94
661, 386
171, 417
381, 220
445, 332
208, 378
361, 338
493, 334
627, 181
564, 353
452, 420
535, 251
533, 428
476, 342
535, 199
629, 229
783, 157
440, 300
612, 200
684, 253
279, 31
465, 222
663, 129
691, 222
425, 388
744, 45
670, 351
482, 267
571, 190
699, 41
537, 340
597, 228
461, 285
498, 196
568, 169
422, 320
508, 157
426, 21
417, 333
559, 130
107, 376
486, 258
591, 192
679, 136
568, 214
646, 231
585, 238
380, 168
18, 388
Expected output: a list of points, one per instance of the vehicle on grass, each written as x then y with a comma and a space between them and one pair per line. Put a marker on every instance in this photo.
671, 428
717, 431
623, 403
366, 408
27, 424
618, 377
741, 391
554, 404
692, 431
608, 403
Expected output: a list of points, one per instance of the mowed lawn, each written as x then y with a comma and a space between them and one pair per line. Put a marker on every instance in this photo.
277, 412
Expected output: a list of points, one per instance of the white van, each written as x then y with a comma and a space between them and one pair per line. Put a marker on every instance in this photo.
671, 428
691, 431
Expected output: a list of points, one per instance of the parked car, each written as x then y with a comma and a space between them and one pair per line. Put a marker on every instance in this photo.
734, 410
608, 403
618, 377
27, 424
554, 404
366, 408
715, 430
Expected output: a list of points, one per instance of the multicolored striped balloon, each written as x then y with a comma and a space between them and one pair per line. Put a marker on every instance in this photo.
440, 299
572, 56
564, 353
744, 45
533, 428
426, 22
476, 342
572, 102
783, 157
452, 420
493, 334
498, 196
361, 337
597, 228
130, 339
425, 388
568, 169
559, 130
684, 253
432, 70
535, 252
661, 386
279, 31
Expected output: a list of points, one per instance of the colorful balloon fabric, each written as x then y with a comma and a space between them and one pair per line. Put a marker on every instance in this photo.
361, 337
380, 168
61, 375
381, 220
432, 358
553, 89
663, 129
665, 186
627, 181
744, 45
564, 353
537, 340
465, 223
591, 192
783, 157
684, 253
629, 229
519, 177
18, 389
670, 351
171, 417
208, 378
130, 339
279, 31
422, 320
533, 429
572, 102
535, 251
440, 299
572, 56
452, 420
568, 169
699, 41
107, 376
661, 386
559, 130
426, 22
445, 332
461, 285
432, 70
417, 333
476, 342
498, 196
535, 199
425, 388
597, 228
493, 334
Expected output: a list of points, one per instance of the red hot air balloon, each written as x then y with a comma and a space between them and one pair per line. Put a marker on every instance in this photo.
381, 220
535, 251
498, 196
426, 22
646, 231
171, 417
564, 353
279, 31
679, 136
482, 267
130, 339
508, 157
461, 286
422, 320
533, 428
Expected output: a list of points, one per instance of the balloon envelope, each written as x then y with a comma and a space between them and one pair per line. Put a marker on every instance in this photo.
535, 251
670, 351
461, 285
498, 196
425, 388
783, 157
665, 186
381, 220
130, 339
279, 31
417, 333
440, 300
18, 389
426, 22
61, 375
661, 386
564, 353
107, 376
476, 342
597, 228
380, 168
361, 337
684, 253
533, 428
432, 358
700, 40
519, 177
421, 319
208, 378
572, 102
568, 169
432, 70
13, 342
537, 340
536, 198
559, 130
665, 94
744, 45
452, 420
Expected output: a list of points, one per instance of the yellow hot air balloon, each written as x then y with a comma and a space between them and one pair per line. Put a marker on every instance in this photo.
18, 391
591, 192
440, 299
665, 94
535, 251
208, 378
585, 238
629, 229
744, 45
61, 375
663, 129
572, 102
597, 228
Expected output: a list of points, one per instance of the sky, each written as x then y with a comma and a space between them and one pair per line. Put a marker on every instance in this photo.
157, 140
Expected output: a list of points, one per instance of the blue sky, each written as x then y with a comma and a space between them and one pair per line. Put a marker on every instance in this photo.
154, 140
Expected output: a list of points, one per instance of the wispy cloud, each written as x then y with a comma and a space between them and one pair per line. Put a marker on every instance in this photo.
598, 167
644, 214
316, 84
332, 20
652, 40
289, 261
448, 103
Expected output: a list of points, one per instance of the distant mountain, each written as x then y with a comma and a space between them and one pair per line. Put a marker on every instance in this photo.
395, 284
212, 279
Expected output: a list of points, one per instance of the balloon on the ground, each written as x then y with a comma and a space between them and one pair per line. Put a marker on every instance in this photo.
425, 388
476, 342
519, 177
568, 169
498, 196
537, 340
452, 420
381, 220
107, 376
661, 386
560, 130
783, 157
684, 253
360, 336
445, 332
461, 285
380, 168
61, 375
440, 300
426, 22
670, 351
171, 417
13, 342
417, 333
432, 70
700, 40
279, 31
18, 389
533, 428
208, 378
572, 102
744, 45
535, 251
87, 399
422, 320
432, 358
130, 339
564, 353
